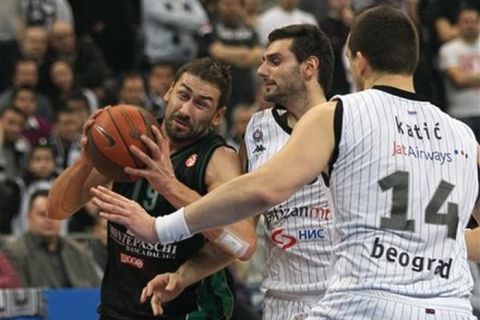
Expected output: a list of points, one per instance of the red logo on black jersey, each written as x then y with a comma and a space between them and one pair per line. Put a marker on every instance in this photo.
131, 261
190, 162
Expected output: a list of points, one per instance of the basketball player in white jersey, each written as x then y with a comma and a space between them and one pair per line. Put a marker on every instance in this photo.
297, 65
403, 179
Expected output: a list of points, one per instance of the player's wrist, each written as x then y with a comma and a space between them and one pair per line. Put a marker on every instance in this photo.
172, 227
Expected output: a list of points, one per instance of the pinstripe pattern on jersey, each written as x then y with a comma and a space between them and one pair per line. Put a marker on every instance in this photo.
303, 267
281, 309
354, 306
375, 143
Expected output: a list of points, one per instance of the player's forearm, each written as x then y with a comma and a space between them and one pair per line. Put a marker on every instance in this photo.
472, 240
179, 195
70, 191
241, 198
204, 263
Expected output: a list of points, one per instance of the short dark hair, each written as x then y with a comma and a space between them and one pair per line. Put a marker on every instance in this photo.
35, 195
12, 109
309, 40
42, 144
77, 95
212, 71
63, 110
387, 38
17, 89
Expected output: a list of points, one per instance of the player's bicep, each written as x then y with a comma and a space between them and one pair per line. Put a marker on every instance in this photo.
224, 165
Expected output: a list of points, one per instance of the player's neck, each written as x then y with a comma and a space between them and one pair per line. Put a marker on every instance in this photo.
399, 81
298, 107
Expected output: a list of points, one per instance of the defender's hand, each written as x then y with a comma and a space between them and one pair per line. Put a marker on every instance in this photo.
163, 288
116, 208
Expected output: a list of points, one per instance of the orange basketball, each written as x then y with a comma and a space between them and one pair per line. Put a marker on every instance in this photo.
109, 138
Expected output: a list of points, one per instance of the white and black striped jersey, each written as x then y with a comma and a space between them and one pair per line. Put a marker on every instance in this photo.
299, 230
403, 184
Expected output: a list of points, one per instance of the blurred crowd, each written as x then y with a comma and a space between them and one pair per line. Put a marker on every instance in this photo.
60, 60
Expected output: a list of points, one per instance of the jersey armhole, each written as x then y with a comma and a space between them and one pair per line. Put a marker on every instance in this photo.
337, 131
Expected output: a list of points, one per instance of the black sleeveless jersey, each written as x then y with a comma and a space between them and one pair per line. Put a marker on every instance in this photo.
132, 262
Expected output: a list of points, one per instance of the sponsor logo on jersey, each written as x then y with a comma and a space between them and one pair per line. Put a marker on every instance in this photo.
311, 234
285, 241
282, 240
190, 162
280, 213
130, 243
410, 151
131, 261
415, 263
419, 131
257, 137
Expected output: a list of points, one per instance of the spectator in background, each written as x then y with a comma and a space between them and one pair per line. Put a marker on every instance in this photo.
45, 12
14, 148
77, 102
12, 22
84, 56
337, 26
43, 258
39, 175
41, 164
170, 29
446, 13
36, 126
132, 90
460, 61
65, 138
64, 83
33, 45
233, 41
26, 74
252, 12
285, 13
160, 78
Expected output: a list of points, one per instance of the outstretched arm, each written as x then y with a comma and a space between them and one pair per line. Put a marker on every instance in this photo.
304, 157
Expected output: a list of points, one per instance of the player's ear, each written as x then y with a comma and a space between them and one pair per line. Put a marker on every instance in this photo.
361, 63
218, 116
311, 67
166, 97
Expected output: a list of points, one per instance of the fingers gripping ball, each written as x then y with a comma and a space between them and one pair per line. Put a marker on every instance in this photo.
109, 138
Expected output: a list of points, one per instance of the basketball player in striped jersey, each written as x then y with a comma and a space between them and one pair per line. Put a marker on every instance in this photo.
297, 65
403, 177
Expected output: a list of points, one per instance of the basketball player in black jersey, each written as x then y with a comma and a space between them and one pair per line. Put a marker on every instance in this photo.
188, 161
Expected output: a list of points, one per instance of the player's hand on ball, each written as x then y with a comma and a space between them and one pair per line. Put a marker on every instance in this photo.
86, 127
116, 208
158, 168
163, 288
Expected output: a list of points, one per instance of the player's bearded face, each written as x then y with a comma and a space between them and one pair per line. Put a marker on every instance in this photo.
181, 127
282, 85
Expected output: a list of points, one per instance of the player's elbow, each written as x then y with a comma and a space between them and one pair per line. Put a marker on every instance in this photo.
251, 242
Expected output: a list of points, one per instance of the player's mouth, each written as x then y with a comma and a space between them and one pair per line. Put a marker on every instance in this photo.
182, 124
